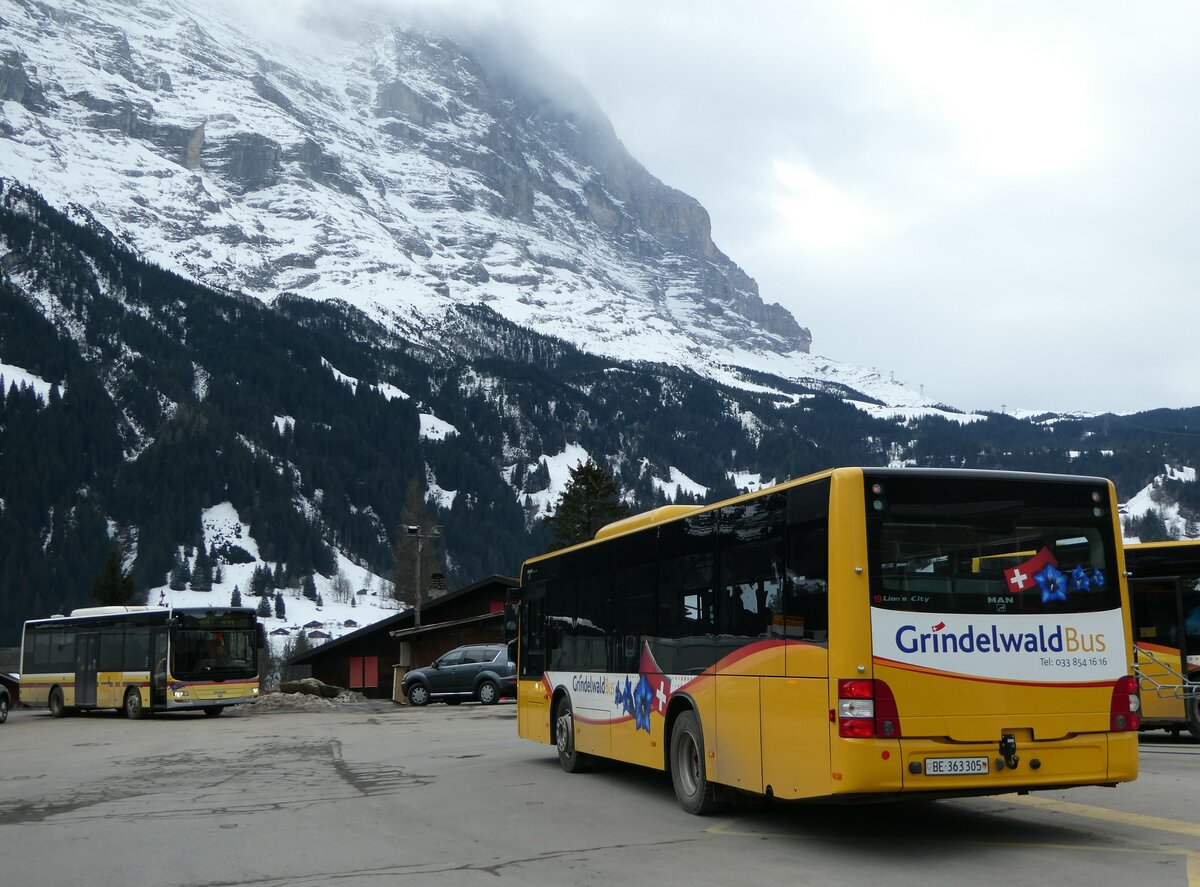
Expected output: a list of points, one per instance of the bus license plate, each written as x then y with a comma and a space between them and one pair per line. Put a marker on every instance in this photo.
956, 766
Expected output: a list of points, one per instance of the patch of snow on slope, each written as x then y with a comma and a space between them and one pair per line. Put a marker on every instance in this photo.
22, 378
1146, 500
434, 494
433, 428
559, 468
678, 481
749, 482
370, 593
904, 414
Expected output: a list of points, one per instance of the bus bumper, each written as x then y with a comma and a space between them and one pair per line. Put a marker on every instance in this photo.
930, 766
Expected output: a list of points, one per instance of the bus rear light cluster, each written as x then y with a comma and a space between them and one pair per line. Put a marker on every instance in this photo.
867, 710
1126, 709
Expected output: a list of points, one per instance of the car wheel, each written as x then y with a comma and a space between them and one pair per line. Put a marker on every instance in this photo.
3, 708
418, 694
488, 693
695, 793
56, 706
213, 711
571, 759
133, 705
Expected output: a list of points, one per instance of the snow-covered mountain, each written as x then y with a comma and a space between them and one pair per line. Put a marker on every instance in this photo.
387, 167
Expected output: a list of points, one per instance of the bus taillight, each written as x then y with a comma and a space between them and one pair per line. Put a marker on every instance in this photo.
1126, 705
867, 709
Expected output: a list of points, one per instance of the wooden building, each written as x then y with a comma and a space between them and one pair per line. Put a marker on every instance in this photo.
366, 660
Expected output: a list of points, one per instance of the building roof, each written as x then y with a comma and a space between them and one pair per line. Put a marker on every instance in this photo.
403, 619
436, 626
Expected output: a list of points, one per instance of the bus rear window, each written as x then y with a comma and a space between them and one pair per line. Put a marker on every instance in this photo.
967, 546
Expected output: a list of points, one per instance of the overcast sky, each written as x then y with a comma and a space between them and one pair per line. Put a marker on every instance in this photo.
995, 201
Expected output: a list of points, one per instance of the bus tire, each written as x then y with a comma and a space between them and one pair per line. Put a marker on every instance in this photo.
213, 711
696, 794
133, 708
56, 706
1191, 708
571, 759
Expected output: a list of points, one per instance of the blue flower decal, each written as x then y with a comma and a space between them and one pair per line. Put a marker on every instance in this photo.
624, 697
1053, 584
1097, 578
1079, 579
643, 700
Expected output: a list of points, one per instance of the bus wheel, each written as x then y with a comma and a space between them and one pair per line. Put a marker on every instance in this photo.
1191, 707
695, 793
133, 705
57, 709
213, 710
572, 760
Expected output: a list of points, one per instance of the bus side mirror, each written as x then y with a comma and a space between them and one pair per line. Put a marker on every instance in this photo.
262, 635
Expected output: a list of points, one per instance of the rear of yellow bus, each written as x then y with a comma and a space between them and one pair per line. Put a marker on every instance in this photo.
993, 655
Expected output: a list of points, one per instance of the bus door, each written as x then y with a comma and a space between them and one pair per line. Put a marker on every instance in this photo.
87, 650
158, 661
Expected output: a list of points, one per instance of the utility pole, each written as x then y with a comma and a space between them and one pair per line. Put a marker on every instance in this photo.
415, 533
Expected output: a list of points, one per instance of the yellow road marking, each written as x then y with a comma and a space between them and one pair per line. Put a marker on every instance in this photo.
1103, 814
1136, 820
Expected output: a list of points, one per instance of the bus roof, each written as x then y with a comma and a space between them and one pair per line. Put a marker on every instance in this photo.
668, 513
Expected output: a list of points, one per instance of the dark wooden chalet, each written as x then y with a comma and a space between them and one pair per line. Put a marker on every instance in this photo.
371, 659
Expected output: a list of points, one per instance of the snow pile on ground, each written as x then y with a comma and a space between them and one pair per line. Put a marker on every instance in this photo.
302, 702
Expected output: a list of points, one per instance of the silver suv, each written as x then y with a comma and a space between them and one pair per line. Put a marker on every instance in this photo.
473, 671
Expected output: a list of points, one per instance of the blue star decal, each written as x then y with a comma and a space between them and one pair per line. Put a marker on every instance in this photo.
1079, 579
1053, 584
1097, 578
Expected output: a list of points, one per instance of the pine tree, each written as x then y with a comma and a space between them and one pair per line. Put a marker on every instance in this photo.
113, 587
264, 608
591, 500
309, 587
235, 599
280, 609
178, 579
202, 574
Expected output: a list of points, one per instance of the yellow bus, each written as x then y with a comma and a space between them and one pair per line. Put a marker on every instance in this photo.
1164, 597
836, 637
141, 659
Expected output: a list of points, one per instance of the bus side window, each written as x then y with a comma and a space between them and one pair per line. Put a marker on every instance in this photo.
533, 650
562, 607
595, 619
112, 649
635, 588
687, 595
806, 608
750, 561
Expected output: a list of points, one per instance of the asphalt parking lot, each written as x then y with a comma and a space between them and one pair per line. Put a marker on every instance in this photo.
374, 793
